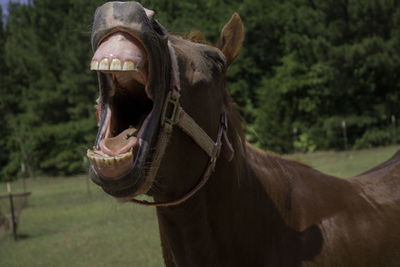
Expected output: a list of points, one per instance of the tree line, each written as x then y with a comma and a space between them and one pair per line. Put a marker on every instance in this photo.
305, 68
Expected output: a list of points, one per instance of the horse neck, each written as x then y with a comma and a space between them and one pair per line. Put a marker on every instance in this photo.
251, 208
225, 217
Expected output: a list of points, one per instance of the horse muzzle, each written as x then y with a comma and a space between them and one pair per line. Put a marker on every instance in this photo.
132, 61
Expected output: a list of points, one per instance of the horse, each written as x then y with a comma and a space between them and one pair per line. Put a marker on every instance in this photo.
169, 129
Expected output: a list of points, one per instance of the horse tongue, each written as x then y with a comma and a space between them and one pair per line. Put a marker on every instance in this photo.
122, 143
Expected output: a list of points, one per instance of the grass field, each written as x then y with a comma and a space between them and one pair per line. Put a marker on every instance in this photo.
64, 225
346, 164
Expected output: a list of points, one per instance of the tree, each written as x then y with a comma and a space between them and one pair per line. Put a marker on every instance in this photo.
50, 87
340, 65
4, 131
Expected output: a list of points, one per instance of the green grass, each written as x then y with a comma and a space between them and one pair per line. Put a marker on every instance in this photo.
346, 164
63, 226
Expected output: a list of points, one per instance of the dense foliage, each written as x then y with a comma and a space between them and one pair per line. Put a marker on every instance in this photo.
308, 68
340, 64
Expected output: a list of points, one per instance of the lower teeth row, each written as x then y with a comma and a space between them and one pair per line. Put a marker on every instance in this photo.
108, 161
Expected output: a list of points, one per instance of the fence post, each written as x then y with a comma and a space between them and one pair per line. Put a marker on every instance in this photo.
344, 134
23, 170
14, 223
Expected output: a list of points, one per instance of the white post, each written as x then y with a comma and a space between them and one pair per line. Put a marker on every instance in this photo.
344, 134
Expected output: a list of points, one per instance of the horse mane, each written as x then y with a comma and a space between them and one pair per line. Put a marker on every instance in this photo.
196, 37
245, 150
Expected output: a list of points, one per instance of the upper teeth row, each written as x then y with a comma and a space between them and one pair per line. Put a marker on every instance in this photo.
114, 65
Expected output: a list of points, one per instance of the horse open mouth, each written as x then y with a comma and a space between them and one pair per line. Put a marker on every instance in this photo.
125, 113
132, 60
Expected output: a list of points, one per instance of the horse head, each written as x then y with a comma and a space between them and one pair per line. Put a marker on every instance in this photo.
162, 107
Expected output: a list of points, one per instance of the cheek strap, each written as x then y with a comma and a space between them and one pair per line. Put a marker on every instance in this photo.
174, 115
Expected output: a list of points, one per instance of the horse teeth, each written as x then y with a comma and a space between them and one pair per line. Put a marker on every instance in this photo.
127, 155
98, 161
128, 65
94, 65
108, 161
115, 64
89, 153
104, 64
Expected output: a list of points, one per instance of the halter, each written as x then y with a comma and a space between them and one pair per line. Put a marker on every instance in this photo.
173, 114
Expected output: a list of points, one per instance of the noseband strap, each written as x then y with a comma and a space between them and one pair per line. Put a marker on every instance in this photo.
173, 114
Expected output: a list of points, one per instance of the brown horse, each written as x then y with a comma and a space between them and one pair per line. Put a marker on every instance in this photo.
168, 129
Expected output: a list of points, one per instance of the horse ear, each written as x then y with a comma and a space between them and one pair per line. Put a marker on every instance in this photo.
231, 38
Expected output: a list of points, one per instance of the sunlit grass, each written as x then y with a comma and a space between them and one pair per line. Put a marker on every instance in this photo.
65, 226
346, 163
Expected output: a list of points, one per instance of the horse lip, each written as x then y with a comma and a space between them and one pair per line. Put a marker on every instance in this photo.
131, 18
129, 183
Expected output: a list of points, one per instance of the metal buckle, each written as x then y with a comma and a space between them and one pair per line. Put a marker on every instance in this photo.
169, 112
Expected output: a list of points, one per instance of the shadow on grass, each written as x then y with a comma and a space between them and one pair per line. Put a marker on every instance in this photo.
23, 236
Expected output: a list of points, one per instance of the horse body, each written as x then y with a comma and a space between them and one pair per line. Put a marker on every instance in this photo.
256, 209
